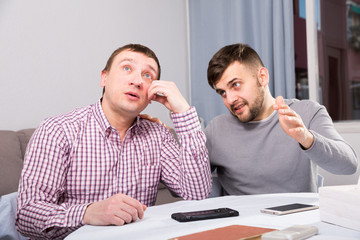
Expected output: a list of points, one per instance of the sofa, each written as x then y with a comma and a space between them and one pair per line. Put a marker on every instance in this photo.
12, 150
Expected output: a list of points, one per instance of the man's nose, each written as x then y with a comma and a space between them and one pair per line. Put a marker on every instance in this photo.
137, 80
231, 97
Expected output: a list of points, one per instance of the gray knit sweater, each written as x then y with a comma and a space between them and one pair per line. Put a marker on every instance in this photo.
259, 157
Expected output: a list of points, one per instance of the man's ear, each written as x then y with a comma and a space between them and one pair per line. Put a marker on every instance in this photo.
263, 76
103, 78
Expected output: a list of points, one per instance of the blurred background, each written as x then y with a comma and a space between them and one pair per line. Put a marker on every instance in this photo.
52, 52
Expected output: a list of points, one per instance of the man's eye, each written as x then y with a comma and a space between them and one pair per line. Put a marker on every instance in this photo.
126, 68
148, 76
221, 93
236, 84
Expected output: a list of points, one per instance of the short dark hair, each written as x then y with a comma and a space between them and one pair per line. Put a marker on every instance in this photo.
242, 53
134, 48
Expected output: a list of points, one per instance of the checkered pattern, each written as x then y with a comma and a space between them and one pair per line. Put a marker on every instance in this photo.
78, 158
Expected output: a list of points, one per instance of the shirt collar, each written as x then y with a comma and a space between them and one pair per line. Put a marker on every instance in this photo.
137, 127
104, 124
99, 116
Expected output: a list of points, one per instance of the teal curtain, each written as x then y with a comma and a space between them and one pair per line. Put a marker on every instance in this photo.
355, 9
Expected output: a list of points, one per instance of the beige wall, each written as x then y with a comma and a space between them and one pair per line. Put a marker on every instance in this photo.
52, 52
350, 131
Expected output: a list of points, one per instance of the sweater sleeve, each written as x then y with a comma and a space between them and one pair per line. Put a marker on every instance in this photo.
329, 149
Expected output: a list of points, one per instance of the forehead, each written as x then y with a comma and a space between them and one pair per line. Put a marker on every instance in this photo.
235, 70
136, 58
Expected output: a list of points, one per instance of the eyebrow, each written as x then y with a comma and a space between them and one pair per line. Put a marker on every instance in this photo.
227, 84
231, 81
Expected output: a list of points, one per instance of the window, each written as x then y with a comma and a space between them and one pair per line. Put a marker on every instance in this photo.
338, 38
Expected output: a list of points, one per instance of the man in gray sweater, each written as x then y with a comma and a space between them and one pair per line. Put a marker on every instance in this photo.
267, 144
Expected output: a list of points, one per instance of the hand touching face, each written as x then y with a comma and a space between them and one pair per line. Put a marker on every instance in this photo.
168, 94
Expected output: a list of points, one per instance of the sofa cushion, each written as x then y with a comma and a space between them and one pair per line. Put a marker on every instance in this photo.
11, 162
12, 150
24, 137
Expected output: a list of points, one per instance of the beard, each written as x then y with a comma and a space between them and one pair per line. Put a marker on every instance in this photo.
254, 108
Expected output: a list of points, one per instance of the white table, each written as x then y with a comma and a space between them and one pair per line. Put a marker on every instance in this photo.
157, 223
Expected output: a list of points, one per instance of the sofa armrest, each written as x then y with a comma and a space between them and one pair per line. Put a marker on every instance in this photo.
165, 196
24, 138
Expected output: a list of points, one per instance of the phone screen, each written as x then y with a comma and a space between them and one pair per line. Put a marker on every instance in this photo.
289, 208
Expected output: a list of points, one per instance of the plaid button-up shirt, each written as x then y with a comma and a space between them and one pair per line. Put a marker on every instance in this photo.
78, 158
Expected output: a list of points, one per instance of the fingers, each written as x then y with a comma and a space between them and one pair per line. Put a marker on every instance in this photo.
118, 221
146, 116
279, 100
132, 207
297, 131
150, 118
153, 119
289, 118
283, 109
168, 94
116, 210
126, 215
160, 90
287, 112
279, 103
292, 124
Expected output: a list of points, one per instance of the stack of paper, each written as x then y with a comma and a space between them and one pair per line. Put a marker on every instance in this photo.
340, 205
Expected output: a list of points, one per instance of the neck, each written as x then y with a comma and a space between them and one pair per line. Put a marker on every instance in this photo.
267, 108
121, 122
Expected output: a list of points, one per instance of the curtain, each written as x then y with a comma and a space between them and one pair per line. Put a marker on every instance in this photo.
266, 25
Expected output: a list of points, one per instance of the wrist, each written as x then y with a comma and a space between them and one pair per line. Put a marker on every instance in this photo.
308, 140
86, 217
182, 109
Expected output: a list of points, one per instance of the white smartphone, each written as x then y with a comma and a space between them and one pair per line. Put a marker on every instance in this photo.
296, 232
289, 208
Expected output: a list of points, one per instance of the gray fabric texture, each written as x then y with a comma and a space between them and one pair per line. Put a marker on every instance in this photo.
259, 157
11, 162
12, 149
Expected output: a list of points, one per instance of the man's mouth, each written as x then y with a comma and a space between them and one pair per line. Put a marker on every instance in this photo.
132, 95
238, 108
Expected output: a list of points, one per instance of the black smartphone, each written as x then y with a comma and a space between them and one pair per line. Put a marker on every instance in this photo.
204, 214
289, 208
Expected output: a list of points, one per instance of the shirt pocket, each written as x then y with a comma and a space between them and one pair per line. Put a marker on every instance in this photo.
150, 176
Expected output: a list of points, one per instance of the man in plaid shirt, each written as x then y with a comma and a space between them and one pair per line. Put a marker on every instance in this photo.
101, 165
